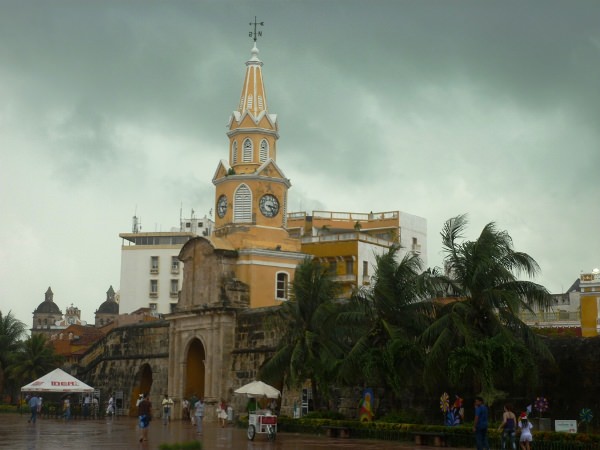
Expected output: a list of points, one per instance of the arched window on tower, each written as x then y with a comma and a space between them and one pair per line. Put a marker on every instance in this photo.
242, 204
234, 153
281, 286
264, 150
247, 155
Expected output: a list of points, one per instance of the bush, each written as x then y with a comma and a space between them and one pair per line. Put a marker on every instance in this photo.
9, 409
332, 415
404, 416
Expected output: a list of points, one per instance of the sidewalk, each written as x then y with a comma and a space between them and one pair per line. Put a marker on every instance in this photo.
122, 434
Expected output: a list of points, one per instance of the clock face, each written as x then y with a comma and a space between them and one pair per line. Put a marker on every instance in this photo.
222, 206
71, 320
269, 205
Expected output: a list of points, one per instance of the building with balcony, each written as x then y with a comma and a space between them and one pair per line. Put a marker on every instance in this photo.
578, 308
151, 272
350, 242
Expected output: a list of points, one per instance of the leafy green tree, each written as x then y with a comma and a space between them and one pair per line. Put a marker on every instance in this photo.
481, 327
308, 349
35, 358
11, 332
385, 319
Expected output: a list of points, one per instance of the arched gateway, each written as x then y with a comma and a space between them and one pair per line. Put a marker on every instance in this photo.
194, 373
142, 385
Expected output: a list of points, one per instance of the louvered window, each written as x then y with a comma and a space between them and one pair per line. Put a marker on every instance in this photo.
234, 153
250, 102
242, 204
260, 102
247, 156
264, 150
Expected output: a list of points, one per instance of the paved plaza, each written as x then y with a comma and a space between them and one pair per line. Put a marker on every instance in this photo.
122, 433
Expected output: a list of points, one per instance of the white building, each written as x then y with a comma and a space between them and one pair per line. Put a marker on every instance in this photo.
151, 273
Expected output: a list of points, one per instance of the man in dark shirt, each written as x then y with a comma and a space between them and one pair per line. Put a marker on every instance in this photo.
145, 415
480, 426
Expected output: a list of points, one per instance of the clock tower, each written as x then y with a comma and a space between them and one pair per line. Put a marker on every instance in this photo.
251, 189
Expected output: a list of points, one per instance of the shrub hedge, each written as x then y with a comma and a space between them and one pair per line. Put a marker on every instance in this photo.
460, 436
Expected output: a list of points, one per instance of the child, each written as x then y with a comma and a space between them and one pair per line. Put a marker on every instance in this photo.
526, 436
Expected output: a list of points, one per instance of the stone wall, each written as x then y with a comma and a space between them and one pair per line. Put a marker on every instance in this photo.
122, 360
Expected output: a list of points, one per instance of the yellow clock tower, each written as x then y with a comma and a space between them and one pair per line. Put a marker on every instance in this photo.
251, 195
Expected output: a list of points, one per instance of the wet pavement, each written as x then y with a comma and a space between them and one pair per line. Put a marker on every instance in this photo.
122, 433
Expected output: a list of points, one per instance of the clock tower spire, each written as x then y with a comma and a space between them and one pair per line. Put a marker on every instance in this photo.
251, 190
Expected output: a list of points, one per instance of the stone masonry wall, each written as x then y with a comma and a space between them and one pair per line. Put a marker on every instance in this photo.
116, 363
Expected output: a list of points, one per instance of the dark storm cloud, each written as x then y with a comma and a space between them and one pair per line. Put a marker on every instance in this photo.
432, 107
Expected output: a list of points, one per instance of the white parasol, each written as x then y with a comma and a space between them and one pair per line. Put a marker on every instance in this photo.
258, 389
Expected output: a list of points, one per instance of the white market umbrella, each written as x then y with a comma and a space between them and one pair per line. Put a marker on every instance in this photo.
57, 381
258, 389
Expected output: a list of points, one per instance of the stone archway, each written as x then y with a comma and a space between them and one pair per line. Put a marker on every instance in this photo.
195, 369
142, 385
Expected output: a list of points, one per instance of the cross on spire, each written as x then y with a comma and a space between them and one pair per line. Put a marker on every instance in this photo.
254, 34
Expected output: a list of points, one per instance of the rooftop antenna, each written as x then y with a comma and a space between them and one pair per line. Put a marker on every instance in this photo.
254, 34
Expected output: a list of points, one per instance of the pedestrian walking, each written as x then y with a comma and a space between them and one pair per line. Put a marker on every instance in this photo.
33, 406
145, 416
222, 413
480, 426
110, 409
193, 400
508, 427
67, 408
185, 405
525, 428
167, 405
199, 414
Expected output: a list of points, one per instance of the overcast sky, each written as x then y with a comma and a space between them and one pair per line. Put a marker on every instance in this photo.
435, 108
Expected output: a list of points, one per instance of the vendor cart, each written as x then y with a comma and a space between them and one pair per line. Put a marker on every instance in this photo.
262, 422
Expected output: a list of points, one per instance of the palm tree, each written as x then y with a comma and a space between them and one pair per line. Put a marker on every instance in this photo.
483, 322
11, 332
307, 350
385, 320
35, 358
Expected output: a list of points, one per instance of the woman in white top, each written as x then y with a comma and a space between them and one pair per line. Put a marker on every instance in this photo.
526, 436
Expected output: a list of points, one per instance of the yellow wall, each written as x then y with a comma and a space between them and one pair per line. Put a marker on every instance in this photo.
589, 315
262, 277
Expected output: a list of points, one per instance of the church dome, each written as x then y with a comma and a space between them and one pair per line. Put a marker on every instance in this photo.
48, 308
108, 307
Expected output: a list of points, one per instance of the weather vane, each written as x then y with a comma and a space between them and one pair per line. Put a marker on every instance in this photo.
254, 34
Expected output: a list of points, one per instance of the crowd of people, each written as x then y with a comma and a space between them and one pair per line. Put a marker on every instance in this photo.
510, 427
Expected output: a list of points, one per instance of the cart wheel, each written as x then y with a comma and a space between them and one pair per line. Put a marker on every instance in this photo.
271, 432
251, 432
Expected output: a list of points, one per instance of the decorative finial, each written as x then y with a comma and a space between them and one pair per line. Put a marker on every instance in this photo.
254, 34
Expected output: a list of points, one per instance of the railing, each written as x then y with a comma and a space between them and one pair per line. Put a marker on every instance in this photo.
344, 216
353, 217
344, 278
345, 237
551, 316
